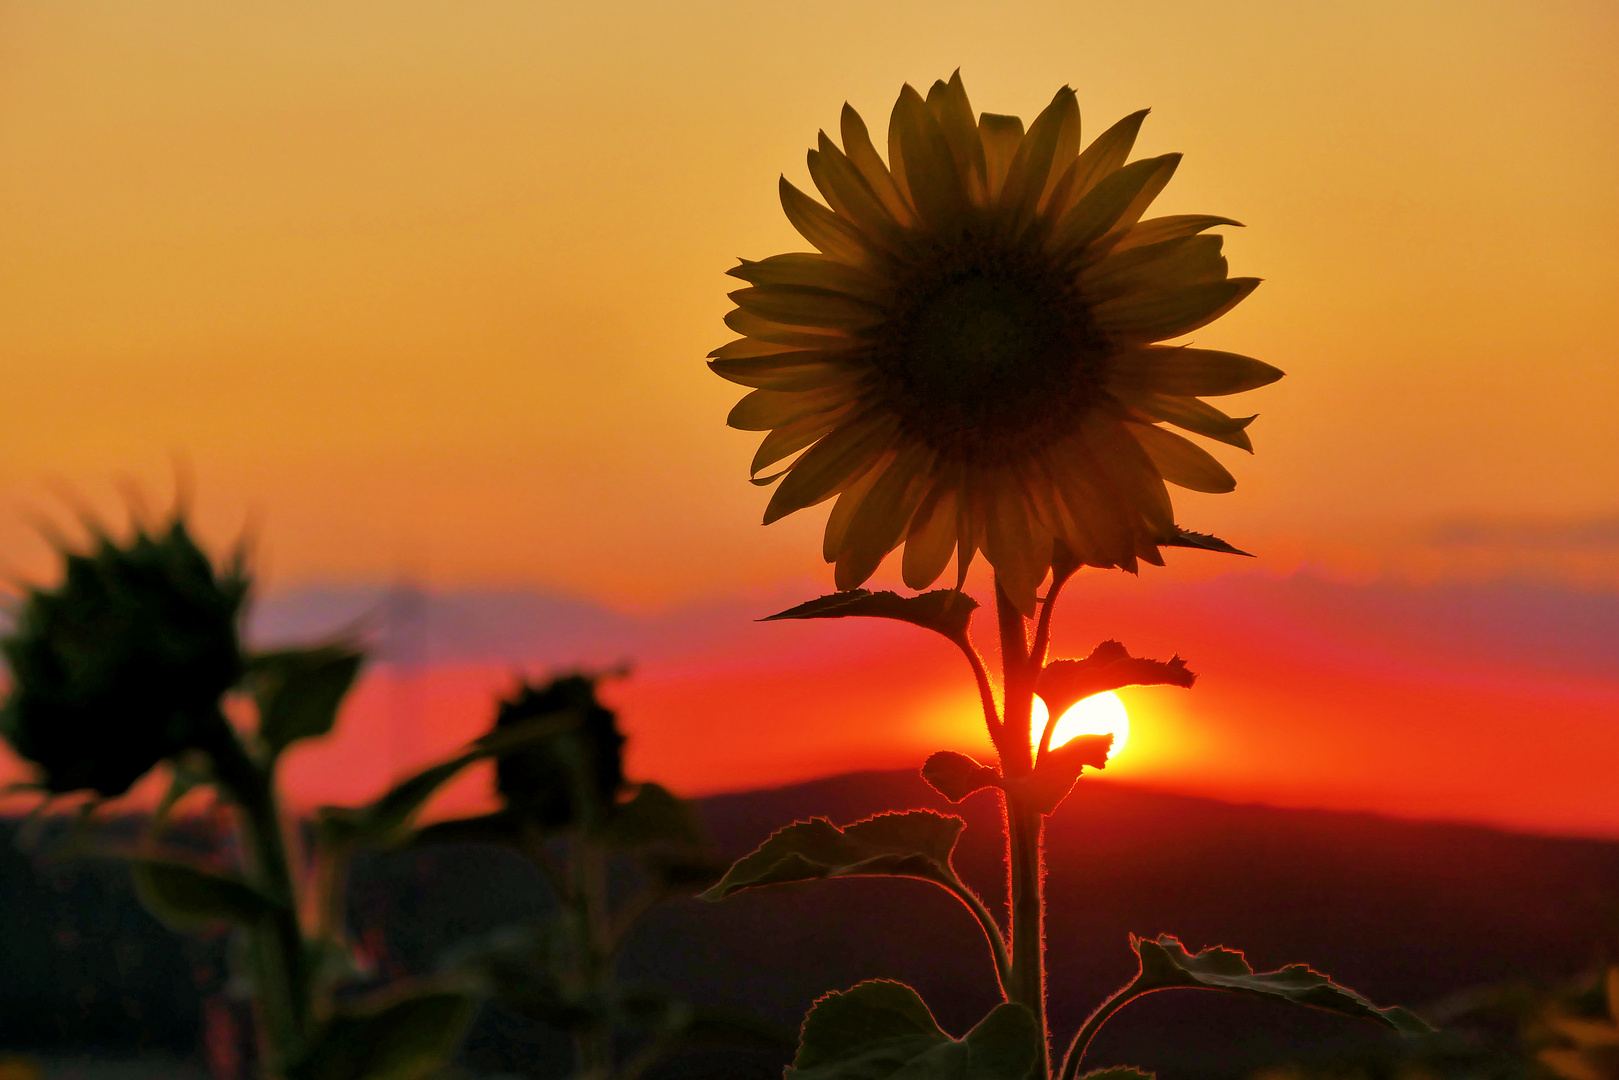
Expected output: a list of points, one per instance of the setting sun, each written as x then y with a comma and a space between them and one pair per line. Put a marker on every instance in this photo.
1098, 714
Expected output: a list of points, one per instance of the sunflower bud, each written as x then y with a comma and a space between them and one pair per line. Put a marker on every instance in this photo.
123, 664
573, 777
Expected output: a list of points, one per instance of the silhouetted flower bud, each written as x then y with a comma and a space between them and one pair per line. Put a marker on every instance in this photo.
123, 664
547, 781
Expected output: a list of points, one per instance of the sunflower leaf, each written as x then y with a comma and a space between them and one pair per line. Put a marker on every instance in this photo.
956, 776
1119, 1072
944, 611
187, 896
1165, 965
1188, 539
393, 1037
878, 1028
1059, 768
916, 843
299, 691
1109, 667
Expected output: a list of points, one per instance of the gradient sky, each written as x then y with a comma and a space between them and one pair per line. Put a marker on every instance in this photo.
424, 289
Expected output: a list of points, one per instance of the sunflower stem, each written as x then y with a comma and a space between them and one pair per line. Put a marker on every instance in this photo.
1025, 855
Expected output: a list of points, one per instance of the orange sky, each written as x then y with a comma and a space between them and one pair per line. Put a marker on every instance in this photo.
424, 288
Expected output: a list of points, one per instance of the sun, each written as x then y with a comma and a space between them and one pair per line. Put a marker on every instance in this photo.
1098, 714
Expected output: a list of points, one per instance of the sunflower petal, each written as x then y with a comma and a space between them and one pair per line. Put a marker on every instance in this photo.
1173, 227
1108, 153
789, 439
1118, 201
1000, 136
751, 348
863, 155
931, 172
1155, 268
801, 337
801, 305
1181, 461
1184, 371
879, 524
788, 371
847, 192
1013, 544
1126, 466
954, 112
815, 271
1142, 318
1101, 528
831, 464
766, 409
843, 511
932, 537
831, 234
1194, 415
1036, 167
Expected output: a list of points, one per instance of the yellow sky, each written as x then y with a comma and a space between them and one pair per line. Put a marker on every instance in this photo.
426, 286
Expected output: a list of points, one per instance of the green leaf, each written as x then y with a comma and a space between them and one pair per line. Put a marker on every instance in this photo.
501, 829
1110, 666
299, 691
1186, 538
943, 611
387, 820
916, 843
187, 897
1058, 770
956, 776
1119, 1072
1165, 964
394, 1037
881, 1028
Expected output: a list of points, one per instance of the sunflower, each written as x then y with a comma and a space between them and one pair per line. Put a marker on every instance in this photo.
970, 361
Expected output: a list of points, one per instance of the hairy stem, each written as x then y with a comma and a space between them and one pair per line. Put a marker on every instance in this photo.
992, 933
1082, 1041
986, 693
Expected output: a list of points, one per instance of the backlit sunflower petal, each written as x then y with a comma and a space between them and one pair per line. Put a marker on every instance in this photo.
831, 234
1194, 415
879, 524
1144, 317
1181, 461
863, 155
1156, 182
1118, 200
815, 271
1036, 167
789, 439
843, 511
800, 305
831, 464
847, 192
931, 172
802, 337
751, 348
1108, 153
766, 409
1104, 529
1001, 136
788, 371
1125, 465
970, 515
1185, 371
932, 537
1156, 267
950, 107
1173, 227
1012, 544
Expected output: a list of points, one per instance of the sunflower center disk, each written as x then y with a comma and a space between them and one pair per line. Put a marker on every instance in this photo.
980, 359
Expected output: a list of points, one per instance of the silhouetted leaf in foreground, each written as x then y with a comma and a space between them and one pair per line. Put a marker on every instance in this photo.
944, 611
916, 843
1188, 539
956, 776
1109, 667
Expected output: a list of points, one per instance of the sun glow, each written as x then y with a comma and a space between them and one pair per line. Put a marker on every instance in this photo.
1098, 714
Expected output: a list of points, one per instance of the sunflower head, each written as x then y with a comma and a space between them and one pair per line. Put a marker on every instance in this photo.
572, 777
971, 358
123, 664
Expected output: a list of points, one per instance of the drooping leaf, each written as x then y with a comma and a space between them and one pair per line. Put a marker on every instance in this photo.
188, 897
1188, 539
1165, 964
299, 691
387, 820
1109, 667
1059, 768
879, 1028
916, 843
944, 611
394, 1037
956, 776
